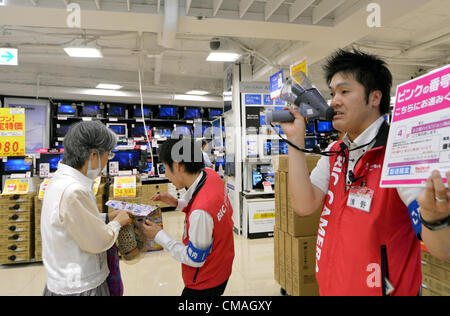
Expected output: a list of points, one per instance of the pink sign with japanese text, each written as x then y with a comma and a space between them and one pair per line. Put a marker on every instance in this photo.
425, 94
419, 136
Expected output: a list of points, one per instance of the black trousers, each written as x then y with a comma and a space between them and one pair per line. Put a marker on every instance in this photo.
215, 291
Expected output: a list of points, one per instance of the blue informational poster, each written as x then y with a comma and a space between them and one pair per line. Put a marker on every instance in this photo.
267, 100
276, 84
253, 99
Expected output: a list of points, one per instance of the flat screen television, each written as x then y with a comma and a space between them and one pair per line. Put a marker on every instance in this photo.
190, 114
148, 167
138, 112
62, 129
181, 130
19, 164
161, 169
168, 112
138, 130
120, 129
91, 110
115, 111
128, 159
310, 127
260, 174
214, 113
310, 142
268, 147
166, 132
324, 127
67, 109
283, 147
52, 159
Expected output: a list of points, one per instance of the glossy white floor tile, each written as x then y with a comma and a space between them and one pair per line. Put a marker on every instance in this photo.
157, 273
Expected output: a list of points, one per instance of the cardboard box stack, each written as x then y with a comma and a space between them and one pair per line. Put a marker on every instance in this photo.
435, 276
37, 229
16, 228
294, 237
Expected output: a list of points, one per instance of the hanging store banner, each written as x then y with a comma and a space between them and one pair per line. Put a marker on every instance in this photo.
12, 132
419, 136
276, 85
298, 67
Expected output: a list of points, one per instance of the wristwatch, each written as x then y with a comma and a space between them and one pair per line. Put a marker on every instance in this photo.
438, 225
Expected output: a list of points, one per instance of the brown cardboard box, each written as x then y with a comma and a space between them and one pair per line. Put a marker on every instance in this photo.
311, 161
429, 292
288, 258
303, 226
281, 163
283, 201
435, 285
277, 200
276, 263
436, 272
304, 266
281, 259
427, 257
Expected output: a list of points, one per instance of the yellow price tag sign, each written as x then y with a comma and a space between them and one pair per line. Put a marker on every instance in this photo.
96, 184
43, 187
16, 186
12, 132
125, 186
264, 215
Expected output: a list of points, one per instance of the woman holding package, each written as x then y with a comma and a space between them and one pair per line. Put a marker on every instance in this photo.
75, 237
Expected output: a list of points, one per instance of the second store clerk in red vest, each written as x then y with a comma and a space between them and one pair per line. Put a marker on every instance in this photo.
207, 249
366, 242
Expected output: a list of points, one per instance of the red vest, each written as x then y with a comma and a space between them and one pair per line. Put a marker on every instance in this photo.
348, 256
212, 198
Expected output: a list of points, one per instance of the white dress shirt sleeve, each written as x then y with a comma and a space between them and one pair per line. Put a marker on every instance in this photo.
80, 216
201, 226
320, 175
181, 205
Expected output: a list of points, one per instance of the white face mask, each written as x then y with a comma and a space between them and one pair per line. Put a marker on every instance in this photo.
93, 173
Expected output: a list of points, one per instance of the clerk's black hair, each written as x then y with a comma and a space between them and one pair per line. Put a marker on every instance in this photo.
186, 151
368, 70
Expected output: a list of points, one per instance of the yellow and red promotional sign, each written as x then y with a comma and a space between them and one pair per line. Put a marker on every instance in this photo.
16, 186
297, 68
43, 187
12, 132
125, 186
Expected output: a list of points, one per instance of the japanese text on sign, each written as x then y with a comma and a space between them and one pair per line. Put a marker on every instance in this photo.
12, 132
419, 136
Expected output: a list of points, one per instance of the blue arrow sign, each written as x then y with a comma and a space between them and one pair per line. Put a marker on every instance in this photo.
8, 56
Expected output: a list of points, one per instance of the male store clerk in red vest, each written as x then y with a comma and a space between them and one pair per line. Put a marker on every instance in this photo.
207, 249
368, 248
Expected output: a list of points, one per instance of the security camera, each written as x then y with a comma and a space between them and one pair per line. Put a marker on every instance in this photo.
215, 44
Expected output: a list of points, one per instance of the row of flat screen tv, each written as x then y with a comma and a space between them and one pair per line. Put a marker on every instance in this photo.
138, 130
120, 111
127, 160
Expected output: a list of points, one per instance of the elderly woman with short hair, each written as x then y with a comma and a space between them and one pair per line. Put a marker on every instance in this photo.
75, 237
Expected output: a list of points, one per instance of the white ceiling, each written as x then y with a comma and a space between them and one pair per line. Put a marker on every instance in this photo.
170, 40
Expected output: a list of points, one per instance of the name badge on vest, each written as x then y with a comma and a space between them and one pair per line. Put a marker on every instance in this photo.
360, 198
